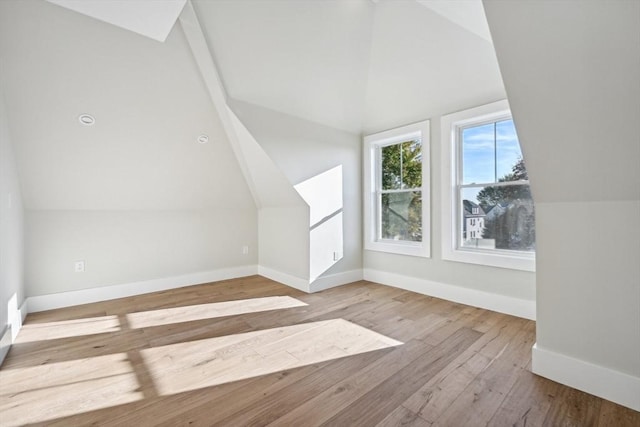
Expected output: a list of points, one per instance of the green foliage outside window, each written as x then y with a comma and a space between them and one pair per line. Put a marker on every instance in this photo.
512, 223
401, 207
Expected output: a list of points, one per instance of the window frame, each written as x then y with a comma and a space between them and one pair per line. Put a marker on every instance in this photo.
372, 190
451, 154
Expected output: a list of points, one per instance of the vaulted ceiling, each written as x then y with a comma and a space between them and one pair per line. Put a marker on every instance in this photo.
355, 65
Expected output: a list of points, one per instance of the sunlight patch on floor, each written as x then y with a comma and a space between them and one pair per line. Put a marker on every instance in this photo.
54, 390
61, 389
192, 365
189, 313
31, 332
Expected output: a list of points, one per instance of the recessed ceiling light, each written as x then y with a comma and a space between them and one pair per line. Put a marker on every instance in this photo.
203, 139
86, 119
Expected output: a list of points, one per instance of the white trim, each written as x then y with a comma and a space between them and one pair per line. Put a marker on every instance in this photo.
24, 310
105, 293
419, 130
450, 251
284, 278
616, 386
5, 343
212, 80
333, 280
9, 335
487, 300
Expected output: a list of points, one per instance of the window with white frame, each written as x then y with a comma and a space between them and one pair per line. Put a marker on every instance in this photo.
488, 212
396, 190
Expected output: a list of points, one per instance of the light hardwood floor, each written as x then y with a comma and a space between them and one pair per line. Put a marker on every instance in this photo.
253, 352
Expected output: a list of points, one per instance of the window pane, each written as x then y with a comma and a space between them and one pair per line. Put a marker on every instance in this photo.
412, 164
391, 171
478, 154
508, 152
498, 218
401, 216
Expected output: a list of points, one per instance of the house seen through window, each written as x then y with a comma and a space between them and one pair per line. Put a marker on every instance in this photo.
488, 214
496, 209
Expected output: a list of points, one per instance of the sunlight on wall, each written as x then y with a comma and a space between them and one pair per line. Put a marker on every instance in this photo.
66, 388
323, 194
189, 313
193, 365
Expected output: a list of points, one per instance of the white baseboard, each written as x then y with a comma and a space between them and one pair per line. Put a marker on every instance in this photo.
284, 278
24, 310
11, 331
495, 302
606, 383
5, 343
321, 283
333, 280
104, 293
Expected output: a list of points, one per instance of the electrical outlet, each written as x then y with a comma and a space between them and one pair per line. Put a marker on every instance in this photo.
245, 250
78, 266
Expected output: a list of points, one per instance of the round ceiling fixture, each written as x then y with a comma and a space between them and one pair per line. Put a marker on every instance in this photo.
86, 119
203, 139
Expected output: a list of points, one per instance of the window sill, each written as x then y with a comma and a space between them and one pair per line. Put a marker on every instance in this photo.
399, 248
517, 261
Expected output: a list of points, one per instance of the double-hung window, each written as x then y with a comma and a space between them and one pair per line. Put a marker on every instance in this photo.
396, 190
488, 212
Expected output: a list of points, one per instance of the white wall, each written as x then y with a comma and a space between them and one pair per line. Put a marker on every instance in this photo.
283, 216
11, 234
576, 106
121, 247
519, 285
302, 150
323, 195
134, 196
283, 234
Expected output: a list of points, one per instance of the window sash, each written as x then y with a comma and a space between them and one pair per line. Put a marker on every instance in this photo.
373, 145
378, 236
495, 184
452, 209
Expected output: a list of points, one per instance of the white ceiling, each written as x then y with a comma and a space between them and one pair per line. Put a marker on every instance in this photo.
422, 65
352, 65
305, 58
150, 105
153, 19
469, 14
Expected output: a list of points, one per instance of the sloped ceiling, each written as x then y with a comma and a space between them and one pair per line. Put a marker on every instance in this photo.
423, 65
306, 58
153, 19
571, 99
150, 105
356, 65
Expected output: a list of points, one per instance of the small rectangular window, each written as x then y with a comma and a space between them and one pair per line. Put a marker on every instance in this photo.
396, 199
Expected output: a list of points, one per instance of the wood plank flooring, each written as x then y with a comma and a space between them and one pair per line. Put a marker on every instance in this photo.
252, 352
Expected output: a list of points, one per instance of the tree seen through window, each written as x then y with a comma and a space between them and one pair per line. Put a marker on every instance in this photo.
401, 191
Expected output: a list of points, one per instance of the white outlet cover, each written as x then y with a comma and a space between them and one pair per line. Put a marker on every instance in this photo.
78, 266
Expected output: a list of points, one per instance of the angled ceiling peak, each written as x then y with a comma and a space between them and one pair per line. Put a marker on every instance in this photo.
153, 19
